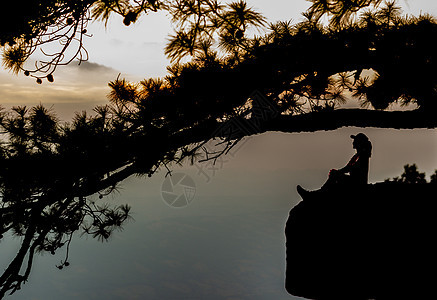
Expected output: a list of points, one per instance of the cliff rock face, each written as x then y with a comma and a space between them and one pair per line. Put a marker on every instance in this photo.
377, 242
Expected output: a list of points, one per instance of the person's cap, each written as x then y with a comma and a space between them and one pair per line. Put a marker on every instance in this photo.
360, 137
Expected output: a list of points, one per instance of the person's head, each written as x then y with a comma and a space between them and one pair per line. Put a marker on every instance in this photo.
362, 144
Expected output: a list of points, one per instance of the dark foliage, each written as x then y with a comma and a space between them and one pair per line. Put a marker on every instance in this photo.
411, 175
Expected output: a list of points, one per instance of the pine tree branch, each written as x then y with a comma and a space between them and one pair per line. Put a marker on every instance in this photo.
324, 121
311, 122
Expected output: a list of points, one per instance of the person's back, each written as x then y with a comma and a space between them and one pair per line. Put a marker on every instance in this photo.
359, 170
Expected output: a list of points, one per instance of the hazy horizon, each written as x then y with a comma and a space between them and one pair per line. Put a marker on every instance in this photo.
229, 242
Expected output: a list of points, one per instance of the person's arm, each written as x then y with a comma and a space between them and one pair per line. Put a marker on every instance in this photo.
348, 167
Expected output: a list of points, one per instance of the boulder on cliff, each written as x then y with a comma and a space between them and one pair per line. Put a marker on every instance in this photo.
373, 242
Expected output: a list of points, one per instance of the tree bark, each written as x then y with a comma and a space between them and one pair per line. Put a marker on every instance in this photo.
310, 122
336, 119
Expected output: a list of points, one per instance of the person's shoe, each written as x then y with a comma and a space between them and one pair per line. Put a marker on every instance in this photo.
302, 192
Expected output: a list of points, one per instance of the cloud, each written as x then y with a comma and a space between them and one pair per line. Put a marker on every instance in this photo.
87, 66
116, 42
76, 88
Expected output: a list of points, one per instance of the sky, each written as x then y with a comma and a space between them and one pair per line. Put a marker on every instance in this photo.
228, 243
135, 52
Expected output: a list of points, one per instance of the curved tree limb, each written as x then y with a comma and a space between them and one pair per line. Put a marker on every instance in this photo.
323, 121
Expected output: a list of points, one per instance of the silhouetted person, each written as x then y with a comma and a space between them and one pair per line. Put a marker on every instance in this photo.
355, 173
